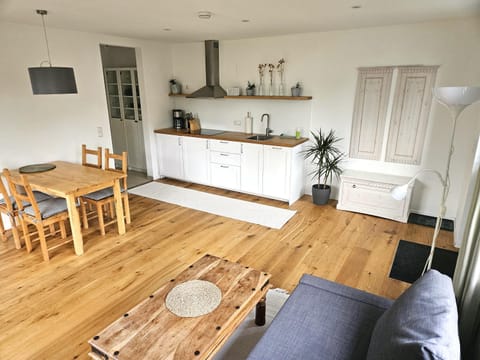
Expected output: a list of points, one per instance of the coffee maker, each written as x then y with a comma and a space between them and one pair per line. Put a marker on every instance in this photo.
178, 119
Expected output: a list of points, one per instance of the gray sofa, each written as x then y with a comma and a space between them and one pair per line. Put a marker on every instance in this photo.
326, 320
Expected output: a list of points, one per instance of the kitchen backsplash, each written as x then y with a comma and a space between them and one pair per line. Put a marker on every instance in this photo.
229, 114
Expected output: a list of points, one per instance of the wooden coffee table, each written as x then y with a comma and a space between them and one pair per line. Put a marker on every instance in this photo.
151, 331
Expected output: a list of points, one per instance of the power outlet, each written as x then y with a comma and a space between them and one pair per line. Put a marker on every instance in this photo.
237, 122
99, 131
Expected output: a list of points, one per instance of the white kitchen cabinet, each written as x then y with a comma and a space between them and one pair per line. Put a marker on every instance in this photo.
196, 160
276, 170
225, 176
170, 156
251, 168
369, 193
225, 164
271, 171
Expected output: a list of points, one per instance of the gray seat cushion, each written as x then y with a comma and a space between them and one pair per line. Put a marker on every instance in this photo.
321, 320
48, 207
101, 194
39, 196
421, 324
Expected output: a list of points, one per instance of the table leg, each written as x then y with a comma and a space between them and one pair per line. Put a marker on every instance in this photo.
117, 196
260, 311
75, 224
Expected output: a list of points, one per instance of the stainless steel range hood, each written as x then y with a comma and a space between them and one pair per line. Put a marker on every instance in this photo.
213, 88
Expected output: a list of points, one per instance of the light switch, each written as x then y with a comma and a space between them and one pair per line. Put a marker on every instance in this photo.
99, 131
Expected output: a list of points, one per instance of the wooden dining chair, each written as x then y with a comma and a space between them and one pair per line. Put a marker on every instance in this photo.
103, 200
7, 207
46, 213
93, 153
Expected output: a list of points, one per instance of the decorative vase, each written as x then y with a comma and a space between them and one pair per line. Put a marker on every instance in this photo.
261, 88
250, 92
281, 89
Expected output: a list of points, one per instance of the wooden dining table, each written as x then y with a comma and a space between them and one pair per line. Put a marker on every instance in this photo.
69, 181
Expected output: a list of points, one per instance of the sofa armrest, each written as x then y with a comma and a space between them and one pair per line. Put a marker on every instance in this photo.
322, 320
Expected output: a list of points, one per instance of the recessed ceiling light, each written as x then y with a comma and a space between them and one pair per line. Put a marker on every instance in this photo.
167, 29
204, 15
245, 20
356, 6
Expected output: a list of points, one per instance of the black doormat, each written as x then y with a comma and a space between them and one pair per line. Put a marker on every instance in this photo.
430, 221
410, 260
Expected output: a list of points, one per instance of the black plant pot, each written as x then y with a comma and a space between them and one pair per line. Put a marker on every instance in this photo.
321, 194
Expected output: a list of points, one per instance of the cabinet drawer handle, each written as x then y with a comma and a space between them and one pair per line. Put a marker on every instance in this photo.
223, 142
276, 148
222, 154
354, 186
224, 166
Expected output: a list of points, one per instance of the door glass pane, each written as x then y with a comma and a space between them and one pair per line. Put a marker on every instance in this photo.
126, 77
139, 114
130, 114
113, 89
136, 77
127, 90
114, 101
111, 77
115, 112
128, 102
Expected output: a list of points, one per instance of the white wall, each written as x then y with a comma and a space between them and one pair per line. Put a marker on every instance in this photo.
326, 63
43, 128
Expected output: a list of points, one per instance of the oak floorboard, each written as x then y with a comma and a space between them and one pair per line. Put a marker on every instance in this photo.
50, 310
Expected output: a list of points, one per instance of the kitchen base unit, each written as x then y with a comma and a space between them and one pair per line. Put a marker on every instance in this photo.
275, 172
370, 193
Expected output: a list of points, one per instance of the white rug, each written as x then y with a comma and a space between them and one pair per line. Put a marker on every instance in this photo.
244, 339
265, 215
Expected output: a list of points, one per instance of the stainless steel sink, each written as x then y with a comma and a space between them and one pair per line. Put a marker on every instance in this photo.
260, 137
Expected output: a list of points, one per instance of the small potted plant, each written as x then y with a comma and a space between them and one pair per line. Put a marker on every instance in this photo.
326, 158
175, 87
250, 90
297, 89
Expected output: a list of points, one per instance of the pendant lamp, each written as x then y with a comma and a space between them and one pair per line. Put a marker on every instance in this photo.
51, 79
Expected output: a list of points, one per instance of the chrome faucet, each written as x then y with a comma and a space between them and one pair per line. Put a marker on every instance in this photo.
268, 131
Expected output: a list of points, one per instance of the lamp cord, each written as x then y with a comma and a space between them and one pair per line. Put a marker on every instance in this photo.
446, 188
46, 40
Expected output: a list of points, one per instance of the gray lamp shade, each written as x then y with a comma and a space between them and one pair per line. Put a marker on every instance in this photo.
52, 80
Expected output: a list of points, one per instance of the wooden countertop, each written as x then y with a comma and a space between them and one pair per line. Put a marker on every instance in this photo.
236, 136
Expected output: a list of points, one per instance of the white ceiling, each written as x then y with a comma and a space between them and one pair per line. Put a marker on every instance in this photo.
147, 19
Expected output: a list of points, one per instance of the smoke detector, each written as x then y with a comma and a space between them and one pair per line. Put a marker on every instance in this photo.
204, 15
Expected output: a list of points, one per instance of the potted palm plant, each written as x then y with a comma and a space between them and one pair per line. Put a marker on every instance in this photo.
326, 158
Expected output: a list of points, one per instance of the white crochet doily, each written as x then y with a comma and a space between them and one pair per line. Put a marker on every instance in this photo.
193, 298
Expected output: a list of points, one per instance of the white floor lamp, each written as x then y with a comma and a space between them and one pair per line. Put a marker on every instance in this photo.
456, 99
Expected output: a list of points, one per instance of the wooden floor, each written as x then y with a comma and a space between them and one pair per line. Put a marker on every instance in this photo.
50, 310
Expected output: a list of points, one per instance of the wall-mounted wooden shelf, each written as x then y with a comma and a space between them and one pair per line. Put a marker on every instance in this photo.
245, 97
269, 97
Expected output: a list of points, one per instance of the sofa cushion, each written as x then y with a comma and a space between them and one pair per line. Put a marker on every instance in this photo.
321, 320
421, 324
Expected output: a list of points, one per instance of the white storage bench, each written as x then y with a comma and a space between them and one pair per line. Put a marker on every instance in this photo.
369, 193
